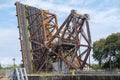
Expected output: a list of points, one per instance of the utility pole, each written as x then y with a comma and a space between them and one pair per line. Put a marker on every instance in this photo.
110, 56
89, 62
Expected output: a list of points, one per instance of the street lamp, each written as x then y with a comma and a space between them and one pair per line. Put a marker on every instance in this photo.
14, 62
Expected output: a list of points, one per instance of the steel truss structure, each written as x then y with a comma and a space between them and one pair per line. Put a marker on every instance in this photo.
47, 47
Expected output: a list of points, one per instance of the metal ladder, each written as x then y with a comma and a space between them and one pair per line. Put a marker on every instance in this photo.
18, 74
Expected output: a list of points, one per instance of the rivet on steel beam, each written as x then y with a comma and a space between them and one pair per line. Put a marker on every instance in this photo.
15, 4
19, 38
22, 60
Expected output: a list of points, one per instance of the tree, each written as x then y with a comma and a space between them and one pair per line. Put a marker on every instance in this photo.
1, 66
107, 51
96, 66
98, 50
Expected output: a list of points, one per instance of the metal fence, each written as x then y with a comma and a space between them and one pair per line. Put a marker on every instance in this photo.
79, 75
76, 77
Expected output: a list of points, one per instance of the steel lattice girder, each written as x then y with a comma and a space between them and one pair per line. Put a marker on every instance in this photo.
47, 47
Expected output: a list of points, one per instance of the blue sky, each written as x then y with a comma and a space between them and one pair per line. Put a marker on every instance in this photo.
104, 20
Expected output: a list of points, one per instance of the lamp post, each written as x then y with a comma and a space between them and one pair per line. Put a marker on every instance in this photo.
14, 62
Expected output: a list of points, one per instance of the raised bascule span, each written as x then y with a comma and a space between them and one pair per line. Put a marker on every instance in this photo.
48, 47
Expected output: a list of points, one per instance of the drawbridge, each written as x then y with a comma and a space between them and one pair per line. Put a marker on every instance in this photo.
48, 47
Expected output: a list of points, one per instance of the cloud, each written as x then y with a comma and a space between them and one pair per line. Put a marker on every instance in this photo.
9, 43
75, 2
3, 6
7, 4
49, 5
107, 17
88, 2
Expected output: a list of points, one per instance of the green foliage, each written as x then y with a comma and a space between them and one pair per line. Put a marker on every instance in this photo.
1, 66
108, 50
96, 66
98, 50
12, 66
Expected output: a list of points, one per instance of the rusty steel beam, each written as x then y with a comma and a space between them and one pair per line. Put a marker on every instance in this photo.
47, 47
